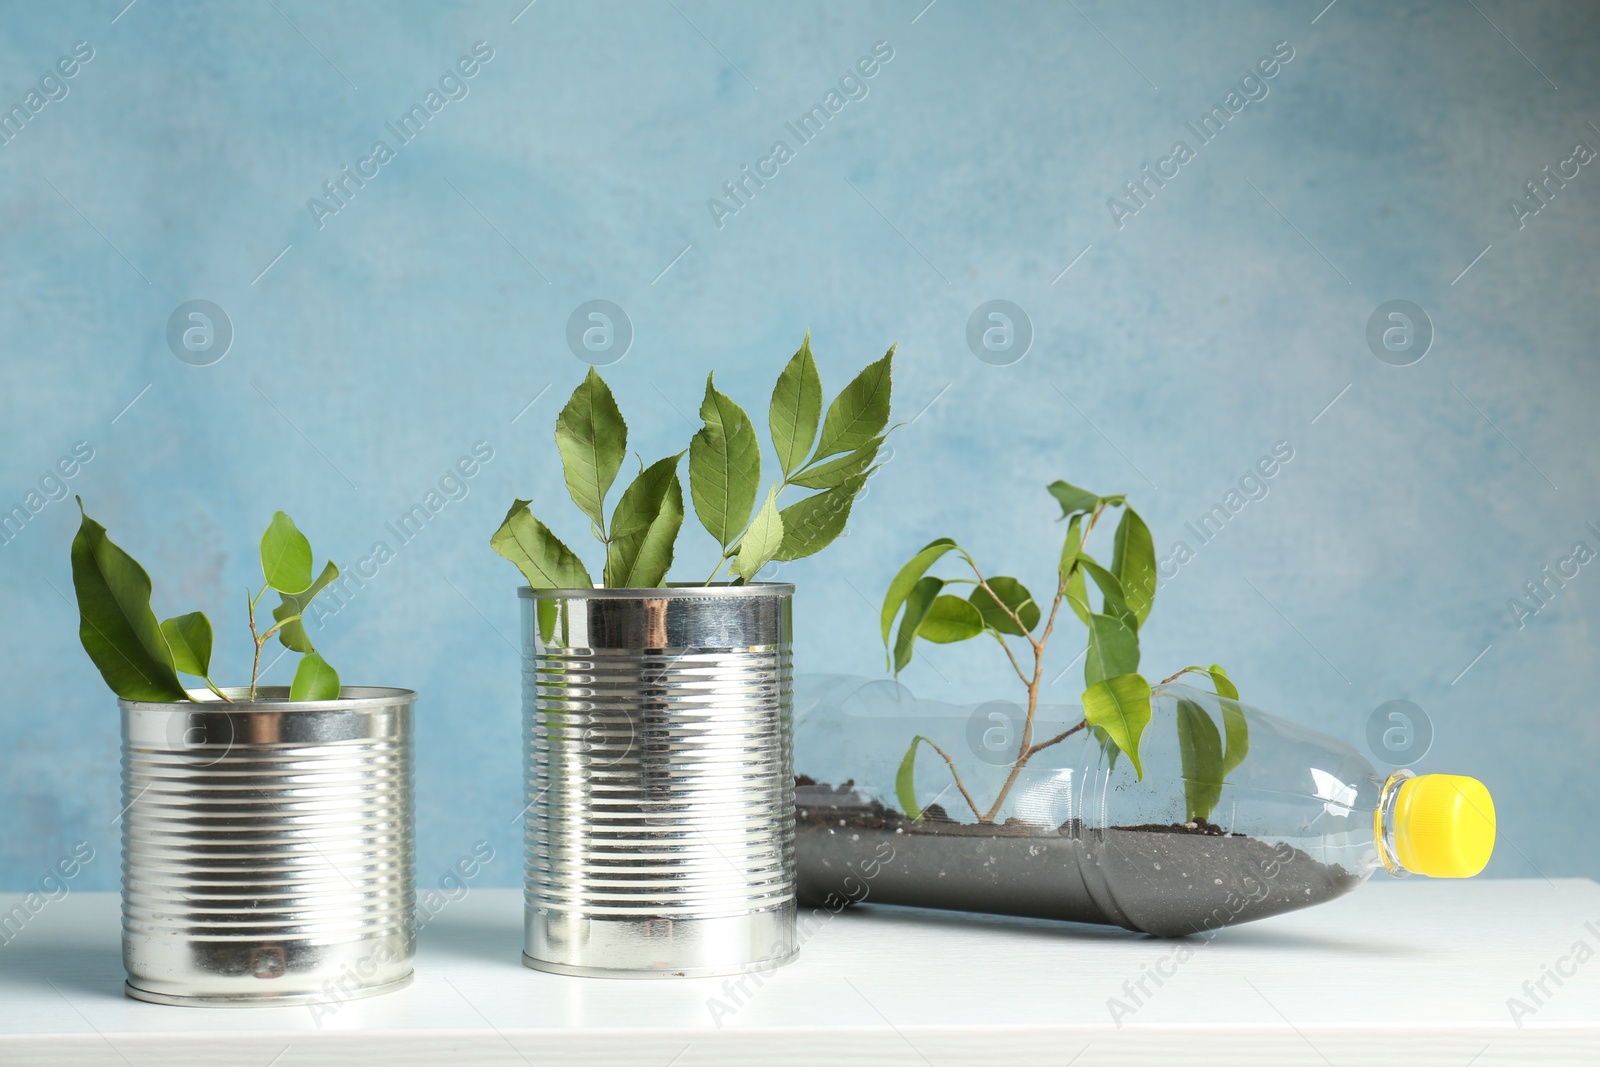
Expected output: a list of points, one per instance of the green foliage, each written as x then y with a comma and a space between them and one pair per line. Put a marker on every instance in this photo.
812, 523
762, 540
1207, 761
900, 588
538, 553
314, 680
1121, 707
919, 602
1113, 650
837, 471
592, 439
950, 619
1001, 602
285, 555
115, 623
1116, 699
724, 480
645, 527
724, 467
1133, 562
189, 638
905, 788
140, 659
796, 409
291, 609
1200, 754
859, 413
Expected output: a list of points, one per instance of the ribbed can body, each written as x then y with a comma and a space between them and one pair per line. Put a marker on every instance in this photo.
660, 784
268, 848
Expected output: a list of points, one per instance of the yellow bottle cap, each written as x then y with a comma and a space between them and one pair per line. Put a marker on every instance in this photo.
1443, 825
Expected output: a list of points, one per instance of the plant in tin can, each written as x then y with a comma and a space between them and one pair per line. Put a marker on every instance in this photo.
141, 658
640, 536
1116, 702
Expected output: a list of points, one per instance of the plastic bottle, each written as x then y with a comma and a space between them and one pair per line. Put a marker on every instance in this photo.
1300, 819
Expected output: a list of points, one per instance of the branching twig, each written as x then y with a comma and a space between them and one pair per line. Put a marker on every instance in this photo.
255, 666
983, 583
1057, 739
998, 636
1026, 748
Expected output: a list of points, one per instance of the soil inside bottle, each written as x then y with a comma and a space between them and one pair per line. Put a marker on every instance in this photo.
1168, 880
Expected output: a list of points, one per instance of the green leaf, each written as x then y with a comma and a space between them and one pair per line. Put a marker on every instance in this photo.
115, 623
189, 638
592, 439
762, 540
950, 619
724, 467
918, 604
1200, 751
1113, 649
1110, 591
314, 680
812, 523
838, 471
541, 557
293, 634
1077, 594
860, 412
1223, 684
905, 788
1014, 595
1133, 561
644, 527
1070, 548
547, 611
1074, 501
796, 408
906, 580
1121, 707
1234, 724
285, 555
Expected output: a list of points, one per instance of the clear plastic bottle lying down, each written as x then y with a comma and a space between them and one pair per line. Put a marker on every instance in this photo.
1301, 819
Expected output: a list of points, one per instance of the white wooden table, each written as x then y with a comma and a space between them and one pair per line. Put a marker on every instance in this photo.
1412, 973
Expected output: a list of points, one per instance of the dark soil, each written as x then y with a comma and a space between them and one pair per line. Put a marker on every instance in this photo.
1169, 880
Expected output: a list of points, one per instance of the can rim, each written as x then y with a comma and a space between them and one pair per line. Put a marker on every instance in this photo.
670, 591
276, 698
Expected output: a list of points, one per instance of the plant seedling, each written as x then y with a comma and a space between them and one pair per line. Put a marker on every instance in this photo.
1116, 702
140, 658
724, 481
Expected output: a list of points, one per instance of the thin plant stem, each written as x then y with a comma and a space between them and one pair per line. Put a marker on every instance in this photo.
956, 775
998, 636
1057, 739
255, 665
1026, 748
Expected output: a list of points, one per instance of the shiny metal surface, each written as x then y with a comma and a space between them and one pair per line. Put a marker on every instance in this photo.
268, 851
660, 785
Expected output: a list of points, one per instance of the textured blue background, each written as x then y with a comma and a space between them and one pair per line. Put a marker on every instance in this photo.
1223, 317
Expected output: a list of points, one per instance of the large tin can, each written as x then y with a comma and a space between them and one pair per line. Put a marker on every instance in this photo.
660, 782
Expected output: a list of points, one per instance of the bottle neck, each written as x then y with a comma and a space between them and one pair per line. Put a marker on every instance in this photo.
1383, 822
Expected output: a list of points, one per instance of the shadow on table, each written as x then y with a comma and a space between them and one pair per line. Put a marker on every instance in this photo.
94, 969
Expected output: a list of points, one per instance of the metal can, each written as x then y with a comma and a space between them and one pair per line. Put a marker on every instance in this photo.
268, 847
658, 726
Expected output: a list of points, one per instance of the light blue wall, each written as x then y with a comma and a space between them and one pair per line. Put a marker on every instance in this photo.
1221, 318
